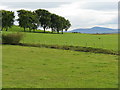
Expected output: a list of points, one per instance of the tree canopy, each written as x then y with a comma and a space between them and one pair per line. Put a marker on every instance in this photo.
7, 19
34, 19
44, 18
59, 23
27, 19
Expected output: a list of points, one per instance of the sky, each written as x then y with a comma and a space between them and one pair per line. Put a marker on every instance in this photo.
81, 13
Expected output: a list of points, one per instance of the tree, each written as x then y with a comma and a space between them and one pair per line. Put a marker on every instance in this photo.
0, 20
53, 22
56, 23
59, 23
66, 25
7, 19
44, 18
34, 21
27, 19
23, 18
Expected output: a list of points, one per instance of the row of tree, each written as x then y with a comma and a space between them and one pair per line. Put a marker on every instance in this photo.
33, 20
7, 19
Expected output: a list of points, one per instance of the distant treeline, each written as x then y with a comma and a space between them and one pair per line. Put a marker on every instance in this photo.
34, 19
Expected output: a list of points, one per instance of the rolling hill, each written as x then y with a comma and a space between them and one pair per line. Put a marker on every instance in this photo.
95, 30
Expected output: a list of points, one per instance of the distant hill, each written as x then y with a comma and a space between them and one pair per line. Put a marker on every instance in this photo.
95, 30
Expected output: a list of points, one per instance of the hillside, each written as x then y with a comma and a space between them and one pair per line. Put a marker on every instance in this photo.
95, 30
37, 67
30, 67
85, 40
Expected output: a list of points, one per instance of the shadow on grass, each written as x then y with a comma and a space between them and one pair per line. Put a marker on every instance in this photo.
73, 48
47, 32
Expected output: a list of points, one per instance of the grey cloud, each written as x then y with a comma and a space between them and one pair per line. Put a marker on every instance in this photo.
101, 6
114, 20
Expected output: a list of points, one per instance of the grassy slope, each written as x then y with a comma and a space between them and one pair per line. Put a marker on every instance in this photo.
19, 29
98, 41
106, 41
43, 68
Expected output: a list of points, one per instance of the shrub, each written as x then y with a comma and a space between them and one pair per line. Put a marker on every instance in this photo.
12, 38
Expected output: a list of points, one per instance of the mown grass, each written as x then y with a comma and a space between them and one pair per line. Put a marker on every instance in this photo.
31, 67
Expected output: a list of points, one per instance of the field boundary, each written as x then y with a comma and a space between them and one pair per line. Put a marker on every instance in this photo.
73, 48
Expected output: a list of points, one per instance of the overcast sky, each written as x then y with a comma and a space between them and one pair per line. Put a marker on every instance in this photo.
81, 13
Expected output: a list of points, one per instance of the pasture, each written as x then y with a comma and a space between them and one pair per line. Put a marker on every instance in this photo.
32, 67
86, 40
105, 41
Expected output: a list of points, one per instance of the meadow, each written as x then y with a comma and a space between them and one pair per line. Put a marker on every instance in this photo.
97, 41
107, 41
34, 67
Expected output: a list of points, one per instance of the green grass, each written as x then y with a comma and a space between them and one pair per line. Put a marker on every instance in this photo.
73, 48
31, 67
106, 41
87, 40
15, 28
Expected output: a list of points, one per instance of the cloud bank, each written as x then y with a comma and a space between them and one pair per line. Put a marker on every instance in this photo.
82, 14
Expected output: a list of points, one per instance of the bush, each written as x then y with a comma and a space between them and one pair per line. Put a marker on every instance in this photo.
12, 38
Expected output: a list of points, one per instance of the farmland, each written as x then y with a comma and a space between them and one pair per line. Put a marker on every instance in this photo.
34, 67
86, 40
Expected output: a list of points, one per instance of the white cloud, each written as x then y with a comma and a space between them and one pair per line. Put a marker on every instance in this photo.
80, 16
58, 0
2, 7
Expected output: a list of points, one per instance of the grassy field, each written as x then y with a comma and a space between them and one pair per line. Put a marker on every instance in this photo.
33, 67
30, 67
108, 41
98, 41
19, 29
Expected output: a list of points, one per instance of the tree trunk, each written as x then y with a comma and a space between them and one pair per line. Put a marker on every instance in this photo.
44, 29
33, 30
62, 31
52, 30
24, 29
58, 31
7, 29
30, 29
